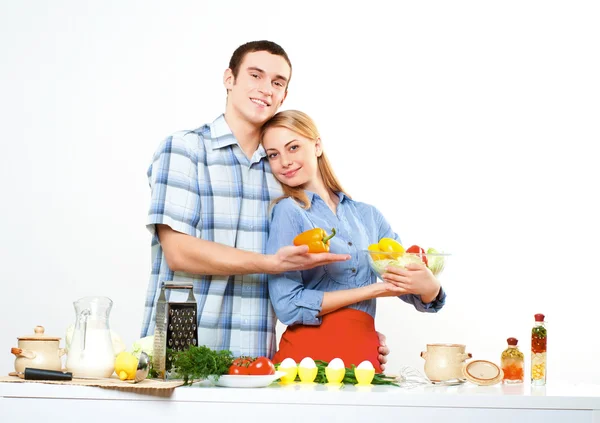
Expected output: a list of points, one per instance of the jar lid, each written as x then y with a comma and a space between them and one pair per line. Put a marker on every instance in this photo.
38, 336
512, 341
482, 372
539, 317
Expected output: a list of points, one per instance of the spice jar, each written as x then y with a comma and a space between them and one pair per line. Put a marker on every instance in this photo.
538, 351
512, 362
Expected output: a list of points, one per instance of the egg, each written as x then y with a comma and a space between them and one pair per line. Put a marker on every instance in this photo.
335, 371
287, 363
291, 370
336, 363
364, 373
307, 370
308, 363
366, 365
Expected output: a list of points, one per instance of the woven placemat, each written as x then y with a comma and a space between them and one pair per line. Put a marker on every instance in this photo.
145, 386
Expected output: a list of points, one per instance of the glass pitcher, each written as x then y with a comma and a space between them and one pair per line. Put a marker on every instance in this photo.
91, 352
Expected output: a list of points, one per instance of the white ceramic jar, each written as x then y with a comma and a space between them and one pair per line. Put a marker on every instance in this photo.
38, 351
444, 361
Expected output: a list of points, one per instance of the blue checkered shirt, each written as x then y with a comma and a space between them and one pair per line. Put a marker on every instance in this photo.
203, 185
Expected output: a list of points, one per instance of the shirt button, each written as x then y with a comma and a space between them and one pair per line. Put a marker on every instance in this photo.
350, 244
353, 270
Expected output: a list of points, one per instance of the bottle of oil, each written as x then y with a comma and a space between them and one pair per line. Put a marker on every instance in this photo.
539, 338
512, 363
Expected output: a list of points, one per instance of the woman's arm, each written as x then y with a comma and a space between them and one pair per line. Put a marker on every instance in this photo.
337, 299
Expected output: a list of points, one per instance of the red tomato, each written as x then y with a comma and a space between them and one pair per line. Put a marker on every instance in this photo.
238, 370
415, 249
261, 366
243, 361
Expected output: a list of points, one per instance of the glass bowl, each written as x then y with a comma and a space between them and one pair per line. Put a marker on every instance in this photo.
436, 262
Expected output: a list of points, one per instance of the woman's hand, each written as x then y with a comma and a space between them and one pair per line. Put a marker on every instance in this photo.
414, 279
384, 350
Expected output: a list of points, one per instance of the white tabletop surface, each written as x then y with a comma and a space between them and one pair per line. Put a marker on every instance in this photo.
580, 396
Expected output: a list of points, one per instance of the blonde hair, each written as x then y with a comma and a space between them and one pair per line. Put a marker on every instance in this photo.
304, 126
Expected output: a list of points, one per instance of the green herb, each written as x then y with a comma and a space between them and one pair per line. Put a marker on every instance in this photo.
197, 363
539, 332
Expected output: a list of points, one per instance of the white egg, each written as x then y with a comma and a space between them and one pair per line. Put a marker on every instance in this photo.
308, 363
287, 363
365, 365
336, 363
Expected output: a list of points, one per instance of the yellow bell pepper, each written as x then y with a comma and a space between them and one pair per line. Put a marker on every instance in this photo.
389, 245
375, 248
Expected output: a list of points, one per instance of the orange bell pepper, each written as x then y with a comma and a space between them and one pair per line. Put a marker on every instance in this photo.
316, 239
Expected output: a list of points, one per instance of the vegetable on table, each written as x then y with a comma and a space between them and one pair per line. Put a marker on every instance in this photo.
316, 239
261, 366
199, 362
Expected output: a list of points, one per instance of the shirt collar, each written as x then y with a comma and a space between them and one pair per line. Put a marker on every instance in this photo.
222, 136
311, 196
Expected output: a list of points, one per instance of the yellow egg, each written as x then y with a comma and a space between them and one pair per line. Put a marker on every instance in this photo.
334, 376
364, 376
364, 373
290, 368
307, 370
307, 375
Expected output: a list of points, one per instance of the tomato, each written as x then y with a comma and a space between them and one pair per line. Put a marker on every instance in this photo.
243, 361
237, 370
261, 366
415, 249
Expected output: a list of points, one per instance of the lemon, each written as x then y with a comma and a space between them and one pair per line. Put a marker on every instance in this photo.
126, 365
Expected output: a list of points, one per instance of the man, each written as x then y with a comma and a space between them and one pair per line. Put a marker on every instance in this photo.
209, 213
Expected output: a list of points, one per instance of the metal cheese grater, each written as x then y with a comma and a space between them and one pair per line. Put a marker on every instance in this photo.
176, 326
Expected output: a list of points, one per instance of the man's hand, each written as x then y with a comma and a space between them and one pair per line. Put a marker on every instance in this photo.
414, 279
290, 258
384, 350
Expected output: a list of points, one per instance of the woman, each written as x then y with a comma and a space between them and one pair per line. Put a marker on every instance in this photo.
330, 310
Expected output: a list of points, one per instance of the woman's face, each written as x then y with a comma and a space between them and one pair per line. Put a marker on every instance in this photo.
293, 158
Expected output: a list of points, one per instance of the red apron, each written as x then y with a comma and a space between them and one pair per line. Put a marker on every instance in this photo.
346, 333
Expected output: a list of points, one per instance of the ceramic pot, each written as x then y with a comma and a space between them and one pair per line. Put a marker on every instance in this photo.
38, 351
444, 361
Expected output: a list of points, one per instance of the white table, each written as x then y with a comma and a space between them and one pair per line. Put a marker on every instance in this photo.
558, 403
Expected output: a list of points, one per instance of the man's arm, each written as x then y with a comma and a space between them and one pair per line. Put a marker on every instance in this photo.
185, 253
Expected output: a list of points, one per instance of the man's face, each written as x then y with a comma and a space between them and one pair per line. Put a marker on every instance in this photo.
260, 87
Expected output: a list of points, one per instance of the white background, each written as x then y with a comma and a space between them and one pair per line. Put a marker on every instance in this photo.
471, 125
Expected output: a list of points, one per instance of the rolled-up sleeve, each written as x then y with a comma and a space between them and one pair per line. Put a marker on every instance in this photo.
292, 303
173, 181
432, 307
